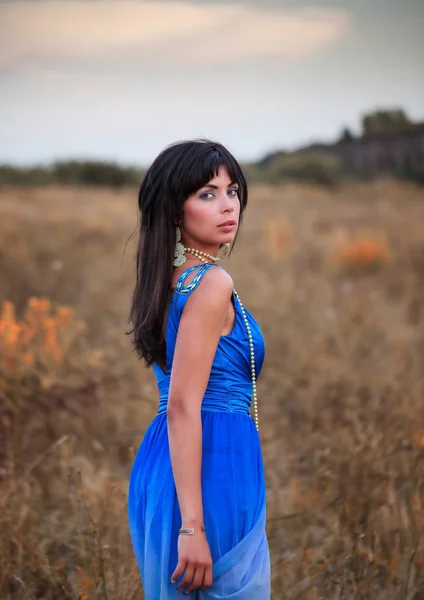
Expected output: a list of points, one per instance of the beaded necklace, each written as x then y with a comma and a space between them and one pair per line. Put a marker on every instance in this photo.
202, 256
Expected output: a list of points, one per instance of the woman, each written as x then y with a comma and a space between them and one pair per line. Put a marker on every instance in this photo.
196, 496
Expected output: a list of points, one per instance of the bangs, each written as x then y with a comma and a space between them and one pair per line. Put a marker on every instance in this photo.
200, 167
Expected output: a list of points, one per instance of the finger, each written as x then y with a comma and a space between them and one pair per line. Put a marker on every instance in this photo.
207, 578
197, 579
178, 571
188, 576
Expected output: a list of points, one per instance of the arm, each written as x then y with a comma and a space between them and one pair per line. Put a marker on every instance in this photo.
198, 335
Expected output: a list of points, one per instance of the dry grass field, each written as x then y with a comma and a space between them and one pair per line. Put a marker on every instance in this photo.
336, 281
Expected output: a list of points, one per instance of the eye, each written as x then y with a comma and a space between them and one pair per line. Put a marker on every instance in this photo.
205, 194
233, 191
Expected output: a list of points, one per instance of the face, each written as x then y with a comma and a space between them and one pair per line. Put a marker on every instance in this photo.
206, 210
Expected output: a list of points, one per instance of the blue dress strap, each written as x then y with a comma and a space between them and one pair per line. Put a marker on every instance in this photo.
186, 289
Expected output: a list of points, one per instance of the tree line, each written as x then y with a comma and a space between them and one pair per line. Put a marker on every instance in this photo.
317, 163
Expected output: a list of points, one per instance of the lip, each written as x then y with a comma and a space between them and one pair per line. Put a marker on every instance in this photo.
227, 224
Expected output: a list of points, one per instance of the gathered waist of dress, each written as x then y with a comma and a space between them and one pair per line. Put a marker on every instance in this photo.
217, 402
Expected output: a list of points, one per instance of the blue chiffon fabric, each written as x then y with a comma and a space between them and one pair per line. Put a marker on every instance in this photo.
233, 484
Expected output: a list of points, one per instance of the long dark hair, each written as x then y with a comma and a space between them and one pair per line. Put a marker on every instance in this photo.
179, 171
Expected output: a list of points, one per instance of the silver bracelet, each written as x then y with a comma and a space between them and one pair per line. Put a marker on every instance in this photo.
189, 530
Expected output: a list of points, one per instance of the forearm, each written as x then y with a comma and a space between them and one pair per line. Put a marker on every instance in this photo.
185, 445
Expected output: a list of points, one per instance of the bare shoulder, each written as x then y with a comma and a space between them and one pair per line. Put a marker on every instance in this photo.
214, 289
216, 282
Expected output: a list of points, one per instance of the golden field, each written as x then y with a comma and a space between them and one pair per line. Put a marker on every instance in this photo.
335, 279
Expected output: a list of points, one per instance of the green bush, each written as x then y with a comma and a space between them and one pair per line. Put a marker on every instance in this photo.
72, 173
385, 121
10, 175
95, 173
314, 167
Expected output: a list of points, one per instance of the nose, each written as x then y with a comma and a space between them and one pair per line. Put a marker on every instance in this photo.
227, 205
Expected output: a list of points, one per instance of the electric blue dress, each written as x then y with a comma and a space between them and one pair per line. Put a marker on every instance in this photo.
233, 484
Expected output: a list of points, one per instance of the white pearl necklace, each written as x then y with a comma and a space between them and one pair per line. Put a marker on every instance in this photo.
252, 362
249, 335
200, 254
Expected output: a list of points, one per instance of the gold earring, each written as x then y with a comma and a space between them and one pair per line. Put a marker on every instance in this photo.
179, 258
224, 251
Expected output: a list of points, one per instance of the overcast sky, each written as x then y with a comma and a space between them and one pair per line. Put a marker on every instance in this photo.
121, 79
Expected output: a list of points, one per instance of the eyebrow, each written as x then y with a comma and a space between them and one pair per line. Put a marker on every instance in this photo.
215, 187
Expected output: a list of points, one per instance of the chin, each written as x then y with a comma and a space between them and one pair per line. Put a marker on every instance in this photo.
225, 239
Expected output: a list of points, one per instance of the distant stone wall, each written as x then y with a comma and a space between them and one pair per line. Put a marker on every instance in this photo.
382, 153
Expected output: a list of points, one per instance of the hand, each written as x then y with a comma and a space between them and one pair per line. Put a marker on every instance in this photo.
195, 557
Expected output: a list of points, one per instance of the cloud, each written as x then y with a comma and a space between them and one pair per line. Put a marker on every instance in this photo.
160, 34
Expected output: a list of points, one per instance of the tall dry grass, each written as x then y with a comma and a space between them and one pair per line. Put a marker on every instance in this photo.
335, 279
